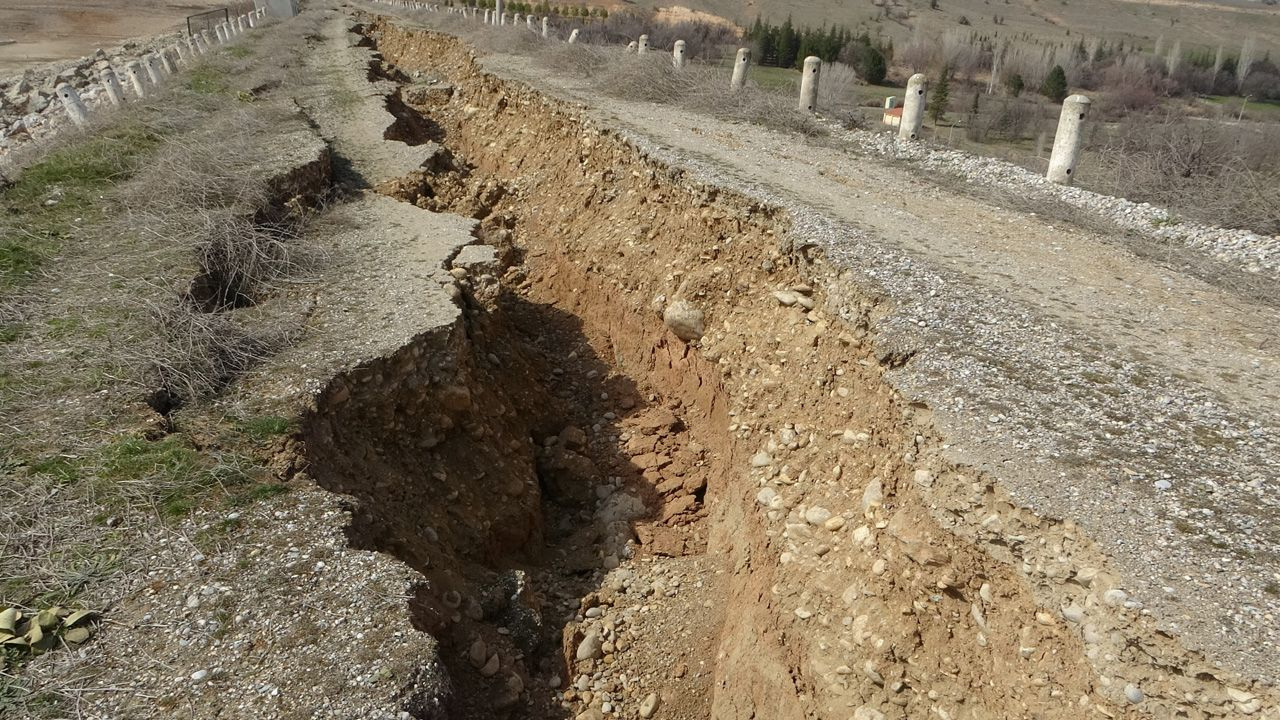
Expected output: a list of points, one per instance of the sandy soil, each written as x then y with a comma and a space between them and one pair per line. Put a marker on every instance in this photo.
50, 31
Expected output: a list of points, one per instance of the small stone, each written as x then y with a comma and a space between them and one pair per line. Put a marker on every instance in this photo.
685, 320
761, 459
1074, 613
803, 613
649, 705
591, 647
766, 496
833, 524
817, 515
491, 668
867, 713
1133, 693
478, 653
199, 675
785, 298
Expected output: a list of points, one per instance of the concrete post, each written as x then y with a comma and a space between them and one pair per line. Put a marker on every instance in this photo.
166, 61
546, 26
208, 40
528, 21
154, 72
250, 19
515, 18
499, 9
193, 48
573, 36
115, 93
71, 101
677, 55
631, 47
740, 67
137, 78
236, 26
183, 55
1066, 141
913, 107
642, 46
809, 84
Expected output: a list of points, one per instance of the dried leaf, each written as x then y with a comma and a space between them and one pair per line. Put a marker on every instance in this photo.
9, 620
76, 635
76, 618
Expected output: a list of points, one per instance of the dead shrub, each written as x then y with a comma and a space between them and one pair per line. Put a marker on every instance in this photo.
1220, 173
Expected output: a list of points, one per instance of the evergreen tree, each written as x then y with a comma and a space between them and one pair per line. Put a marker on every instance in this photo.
1055, 84
940, 96
873, 67
1015, 84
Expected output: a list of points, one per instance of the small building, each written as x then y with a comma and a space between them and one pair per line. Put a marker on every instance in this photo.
892, 113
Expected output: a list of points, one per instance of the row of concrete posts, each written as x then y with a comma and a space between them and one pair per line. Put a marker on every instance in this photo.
1066, 141
147, 73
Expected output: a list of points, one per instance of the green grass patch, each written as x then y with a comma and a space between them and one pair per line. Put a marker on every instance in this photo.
169, 475
207, 80
52, 197
239, 51
264, 427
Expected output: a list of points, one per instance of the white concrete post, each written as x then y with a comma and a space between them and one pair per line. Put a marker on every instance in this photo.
166, 61
740, 67
154, 72
184, 56
515, 18
631, 47
528, 21
642, 46
193, 48
486, 16
137, 78
71, 101
677, 55
1066, 141
499, 9
809, 84
219, 32
546, 26
114, 92
913, 107
573, 36
250, 19
208, 40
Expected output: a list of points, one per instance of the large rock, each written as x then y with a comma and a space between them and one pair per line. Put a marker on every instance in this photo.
685, 320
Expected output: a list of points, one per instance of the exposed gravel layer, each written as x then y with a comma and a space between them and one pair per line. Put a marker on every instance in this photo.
1160, 442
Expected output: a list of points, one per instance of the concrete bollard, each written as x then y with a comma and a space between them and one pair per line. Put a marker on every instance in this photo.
809, 84
677, 55
573, 36
208, 41
500, 10
115, 93
155, 73
740, 67
486, 16
183, 54
642, 46
250, 19
166, 61
1066, 141
631, 47
546, 26
528, 21
137, 78
913, 107
515, 18
71, 101
221, 33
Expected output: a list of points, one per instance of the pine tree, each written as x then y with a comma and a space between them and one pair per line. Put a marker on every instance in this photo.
1055, 84
940, 97
873, 67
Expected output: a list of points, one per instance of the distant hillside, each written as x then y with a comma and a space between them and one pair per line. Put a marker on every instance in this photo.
1193, 22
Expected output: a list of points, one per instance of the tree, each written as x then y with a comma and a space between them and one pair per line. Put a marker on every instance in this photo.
1015, 84
1055, 84
873, 67
940, 96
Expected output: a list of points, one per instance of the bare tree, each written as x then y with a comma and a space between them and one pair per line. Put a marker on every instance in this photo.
1175, 57
1247, 52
